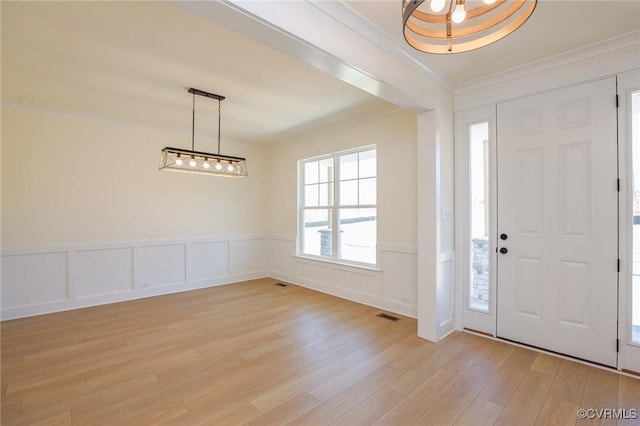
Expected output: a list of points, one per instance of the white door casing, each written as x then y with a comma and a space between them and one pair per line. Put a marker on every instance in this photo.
557, 284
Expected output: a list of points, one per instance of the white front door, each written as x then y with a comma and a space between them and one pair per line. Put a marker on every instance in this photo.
557, 265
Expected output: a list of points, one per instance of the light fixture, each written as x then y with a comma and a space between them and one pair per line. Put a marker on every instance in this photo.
461, 25
173, 159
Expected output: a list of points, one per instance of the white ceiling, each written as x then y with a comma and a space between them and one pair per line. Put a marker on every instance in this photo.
555, 27
134, 61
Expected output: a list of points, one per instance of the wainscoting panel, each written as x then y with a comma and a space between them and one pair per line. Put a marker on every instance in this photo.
208, 261
446, 294
162, 265
393, 288
103, 271
39, 278
358, 280
400, 275
247, 257
38, 281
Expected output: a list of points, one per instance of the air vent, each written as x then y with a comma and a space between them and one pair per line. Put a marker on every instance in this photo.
388, 317
281, 284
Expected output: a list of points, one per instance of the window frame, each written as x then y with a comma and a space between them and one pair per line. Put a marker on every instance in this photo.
334, 208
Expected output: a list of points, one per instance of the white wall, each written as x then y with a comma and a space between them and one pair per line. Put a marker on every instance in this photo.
395, 286
74, 180
87, 217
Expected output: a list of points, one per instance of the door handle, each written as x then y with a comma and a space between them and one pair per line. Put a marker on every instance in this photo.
504, 250
503, 236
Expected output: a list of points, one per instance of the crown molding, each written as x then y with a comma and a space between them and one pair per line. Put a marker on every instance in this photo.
599, 48
350, 18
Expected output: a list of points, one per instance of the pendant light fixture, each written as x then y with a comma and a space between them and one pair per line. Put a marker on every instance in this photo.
192, 161
455, 26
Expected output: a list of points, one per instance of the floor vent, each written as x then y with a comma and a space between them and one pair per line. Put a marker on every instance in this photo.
388, 317
281, 284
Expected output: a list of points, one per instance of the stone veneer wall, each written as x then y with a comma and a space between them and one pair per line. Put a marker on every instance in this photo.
480, 270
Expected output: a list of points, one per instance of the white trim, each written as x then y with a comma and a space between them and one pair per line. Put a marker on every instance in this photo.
17, 285
607, 64
629, 355
547, 64
337, 262
334, 207
469, 317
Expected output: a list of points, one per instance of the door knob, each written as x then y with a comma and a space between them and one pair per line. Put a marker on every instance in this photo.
503, 236
503, 250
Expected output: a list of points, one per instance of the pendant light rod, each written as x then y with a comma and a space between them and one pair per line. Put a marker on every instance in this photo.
193, 123
206, 94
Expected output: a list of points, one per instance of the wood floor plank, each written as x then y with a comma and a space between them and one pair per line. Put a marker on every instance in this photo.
507, 379
629, 400
410, 408
569, 382
254, 352
452, 404
546, 364
371, 409
558, 412
600, 391
480, 412
286, 412
527, 401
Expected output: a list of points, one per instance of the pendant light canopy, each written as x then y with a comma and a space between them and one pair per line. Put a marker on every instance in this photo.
198, 162
455, 26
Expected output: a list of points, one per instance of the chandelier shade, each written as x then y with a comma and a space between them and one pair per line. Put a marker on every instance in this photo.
456, 26
204, 163
198, 162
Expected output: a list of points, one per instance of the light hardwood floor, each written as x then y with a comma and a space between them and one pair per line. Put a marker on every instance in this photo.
257, 353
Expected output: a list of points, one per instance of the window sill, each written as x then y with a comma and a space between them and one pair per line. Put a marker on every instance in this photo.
372, 268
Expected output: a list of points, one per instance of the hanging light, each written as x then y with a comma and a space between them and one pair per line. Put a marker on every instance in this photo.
199, 162
454, 26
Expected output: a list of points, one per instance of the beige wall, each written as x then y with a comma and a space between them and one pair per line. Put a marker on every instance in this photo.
73, 180
395, 138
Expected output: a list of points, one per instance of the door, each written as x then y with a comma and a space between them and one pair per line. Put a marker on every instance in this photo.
557, 261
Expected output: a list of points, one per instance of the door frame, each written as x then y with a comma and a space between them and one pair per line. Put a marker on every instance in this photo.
472, 319
629, 355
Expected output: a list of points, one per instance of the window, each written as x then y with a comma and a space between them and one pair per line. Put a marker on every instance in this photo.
479, 192
337, 215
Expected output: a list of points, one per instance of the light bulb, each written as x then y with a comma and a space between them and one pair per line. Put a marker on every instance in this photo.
218, 166
489, 1
437, 5
206, 163
458, 14
192, 163
179, 161
230, 167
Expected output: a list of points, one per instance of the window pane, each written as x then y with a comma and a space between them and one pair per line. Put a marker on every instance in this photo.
368, 191
317, 233
326, 194
311, 195
326, 170
357, 241
349, 193
635, 287
311, 172
479, 187
368, 163
349, 166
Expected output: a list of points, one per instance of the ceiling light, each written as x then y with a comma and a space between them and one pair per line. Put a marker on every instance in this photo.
171, 159
454, 26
